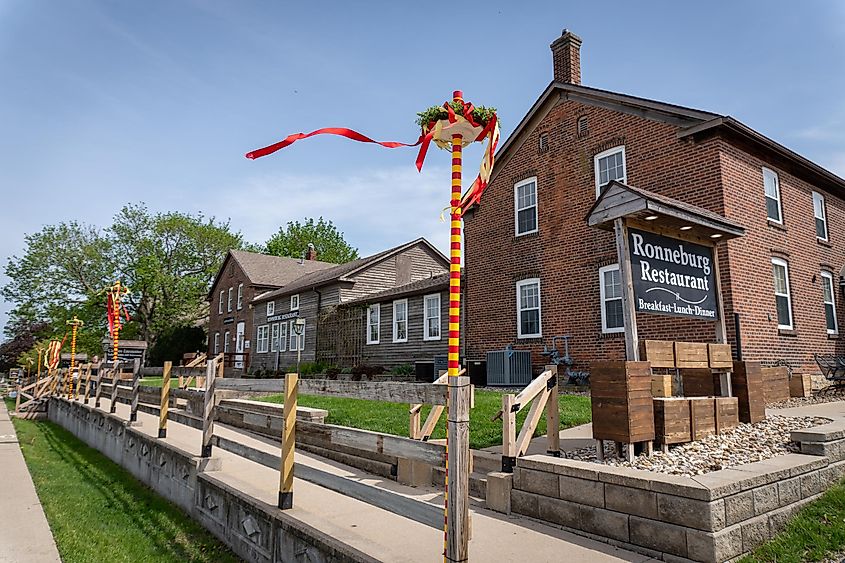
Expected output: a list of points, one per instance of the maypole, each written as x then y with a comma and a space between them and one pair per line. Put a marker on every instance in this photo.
451, 126
75, 323
52, 358
114, 307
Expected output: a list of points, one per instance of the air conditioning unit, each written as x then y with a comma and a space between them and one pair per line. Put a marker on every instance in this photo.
509, 367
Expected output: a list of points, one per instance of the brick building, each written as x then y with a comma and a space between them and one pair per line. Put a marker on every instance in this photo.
242, 276
534, 269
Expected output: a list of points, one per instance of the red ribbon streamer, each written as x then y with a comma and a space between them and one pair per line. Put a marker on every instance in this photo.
342, 131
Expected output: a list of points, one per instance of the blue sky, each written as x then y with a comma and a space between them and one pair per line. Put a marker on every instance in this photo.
103, 103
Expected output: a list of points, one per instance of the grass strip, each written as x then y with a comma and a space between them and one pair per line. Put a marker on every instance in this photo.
392, 418
98, 512
815, 533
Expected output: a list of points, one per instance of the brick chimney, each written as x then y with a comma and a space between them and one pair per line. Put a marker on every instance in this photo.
311, 253
566, 54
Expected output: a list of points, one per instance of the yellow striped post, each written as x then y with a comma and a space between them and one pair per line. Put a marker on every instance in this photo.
288, 441
75, 323
165, 399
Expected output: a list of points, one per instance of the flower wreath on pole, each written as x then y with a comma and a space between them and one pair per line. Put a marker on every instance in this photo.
452, 126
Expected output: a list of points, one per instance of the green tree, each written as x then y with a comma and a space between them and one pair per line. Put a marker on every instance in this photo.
293, 239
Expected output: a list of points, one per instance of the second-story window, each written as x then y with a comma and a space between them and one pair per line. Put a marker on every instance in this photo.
229, 300
240, 296
610, 166
220, 303
771, 185
294, 302
820, 214
525, 206
271, 308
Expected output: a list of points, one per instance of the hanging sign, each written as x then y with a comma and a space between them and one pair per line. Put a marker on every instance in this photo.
672, 276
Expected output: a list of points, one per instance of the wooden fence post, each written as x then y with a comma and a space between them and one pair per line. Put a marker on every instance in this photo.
414, 422
136, 386
208, 408
18, 398
87, 394
97, 391
508, 433
457, 503
115, 373
165, 399
553, 414
288, 441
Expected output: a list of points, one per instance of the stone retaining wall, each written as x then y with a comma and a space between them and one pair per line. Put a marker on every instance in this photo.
713, 517
254, 530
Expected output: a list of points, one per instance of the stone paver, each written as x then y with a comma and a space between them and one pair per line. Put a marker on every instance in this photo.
24, 533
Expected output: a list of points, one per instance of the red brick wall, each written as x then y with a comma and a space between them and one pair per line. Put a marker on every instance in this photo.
232, 276
566, 254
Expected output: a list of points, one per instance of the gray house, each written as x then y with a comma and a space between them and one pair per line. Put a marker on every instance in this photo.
331, 333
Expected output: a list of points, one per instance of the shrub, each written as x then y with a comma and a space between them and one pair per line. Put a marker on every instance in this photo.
311, 368
366, 369
404, 369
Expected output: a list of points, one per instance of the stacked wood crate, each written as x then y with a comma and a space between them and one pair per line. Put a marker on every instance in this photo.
678, 420
700, 382
747, 384
775, 384
621, 402
800, 385
671, 420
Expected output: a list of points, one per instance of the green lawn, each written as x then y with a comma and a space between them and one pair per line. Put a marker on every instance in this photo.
157, 381
816, 532
97, 511
392, 418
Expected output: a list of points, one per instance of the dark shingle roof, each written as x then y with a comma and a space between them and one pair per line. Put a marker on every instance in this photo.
275, 271
434, 283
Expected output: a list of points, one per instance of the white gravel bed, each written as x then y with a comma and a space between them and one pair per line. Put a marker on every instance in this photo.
828, 395
746, 443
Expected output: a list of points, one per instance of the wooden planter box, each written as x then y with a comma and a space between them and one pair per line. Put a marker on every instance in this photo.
661, 385
702, 417
775, 384
747, 382
700, 382
801, 385
659, 353
622, 402
691, 355
727, 413
672, 420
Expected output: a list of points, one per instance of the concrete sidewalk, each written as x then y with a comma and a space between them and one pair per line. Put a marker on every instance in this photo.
382, 534
25, 535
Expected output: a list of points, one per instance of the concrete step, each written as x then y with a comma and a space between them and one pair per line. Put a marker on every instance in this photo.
486, 462
477, 482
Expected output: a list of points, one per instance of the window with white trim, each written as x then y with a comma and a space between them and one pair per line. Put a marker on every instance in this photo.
220, 303
820, 215
400, 320
829, 303
431, 316
771, 186
373, 323
216, 343
226, 339
240, 296
296, 344
283, 337
274, 337
528, 322
229, 301
294, 302
271, 308
783, 300
610, 289
261, 338
609, 166
525, 206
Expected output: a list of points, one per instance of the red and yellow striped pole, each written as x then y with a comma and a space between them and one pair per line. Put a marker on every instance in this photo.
69, 387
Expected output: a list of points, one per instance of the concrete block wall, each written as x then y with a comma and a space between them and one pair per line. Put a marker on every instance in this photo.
254, 530
714, 517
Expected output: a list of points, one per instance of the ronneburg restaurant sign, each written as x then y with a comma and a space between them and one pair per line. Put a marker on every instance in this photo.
671, 276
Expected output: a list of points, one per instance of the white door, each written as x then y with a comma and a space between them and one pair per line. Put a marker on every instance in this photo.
239, 346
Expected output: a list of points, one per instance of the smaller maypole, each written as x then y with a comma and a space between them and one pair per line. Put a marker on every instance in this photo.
74, 323
114, 306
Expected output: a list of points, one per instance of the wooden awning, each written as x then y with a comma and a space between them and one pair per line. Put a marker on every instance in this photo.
661, 214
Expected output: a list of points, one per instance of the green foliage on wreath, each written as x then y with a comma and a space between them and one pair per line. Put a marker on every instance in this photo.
480, 114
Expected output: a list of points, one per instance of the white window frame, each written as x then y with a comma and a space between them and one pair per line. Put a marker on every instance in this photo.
517, 209
396, 325
226, 341
220, 303
271, 308
283, 336
519, 285
294, 302
817, 197
829, 277
605, 154
426, 318
603, 299
299, 342
274, 337
229, 301
785, 265
377, 308
262, 339
216, 343
774, 175
240, 296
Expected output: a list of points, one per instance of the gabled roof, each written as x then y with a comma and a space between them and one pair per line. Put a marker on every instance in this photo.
342, 272
269, 271
619, 200
427, 285
692, 122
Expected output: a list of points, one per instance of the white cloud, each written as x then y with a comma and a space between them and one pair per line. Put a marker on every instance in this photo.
375, 209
